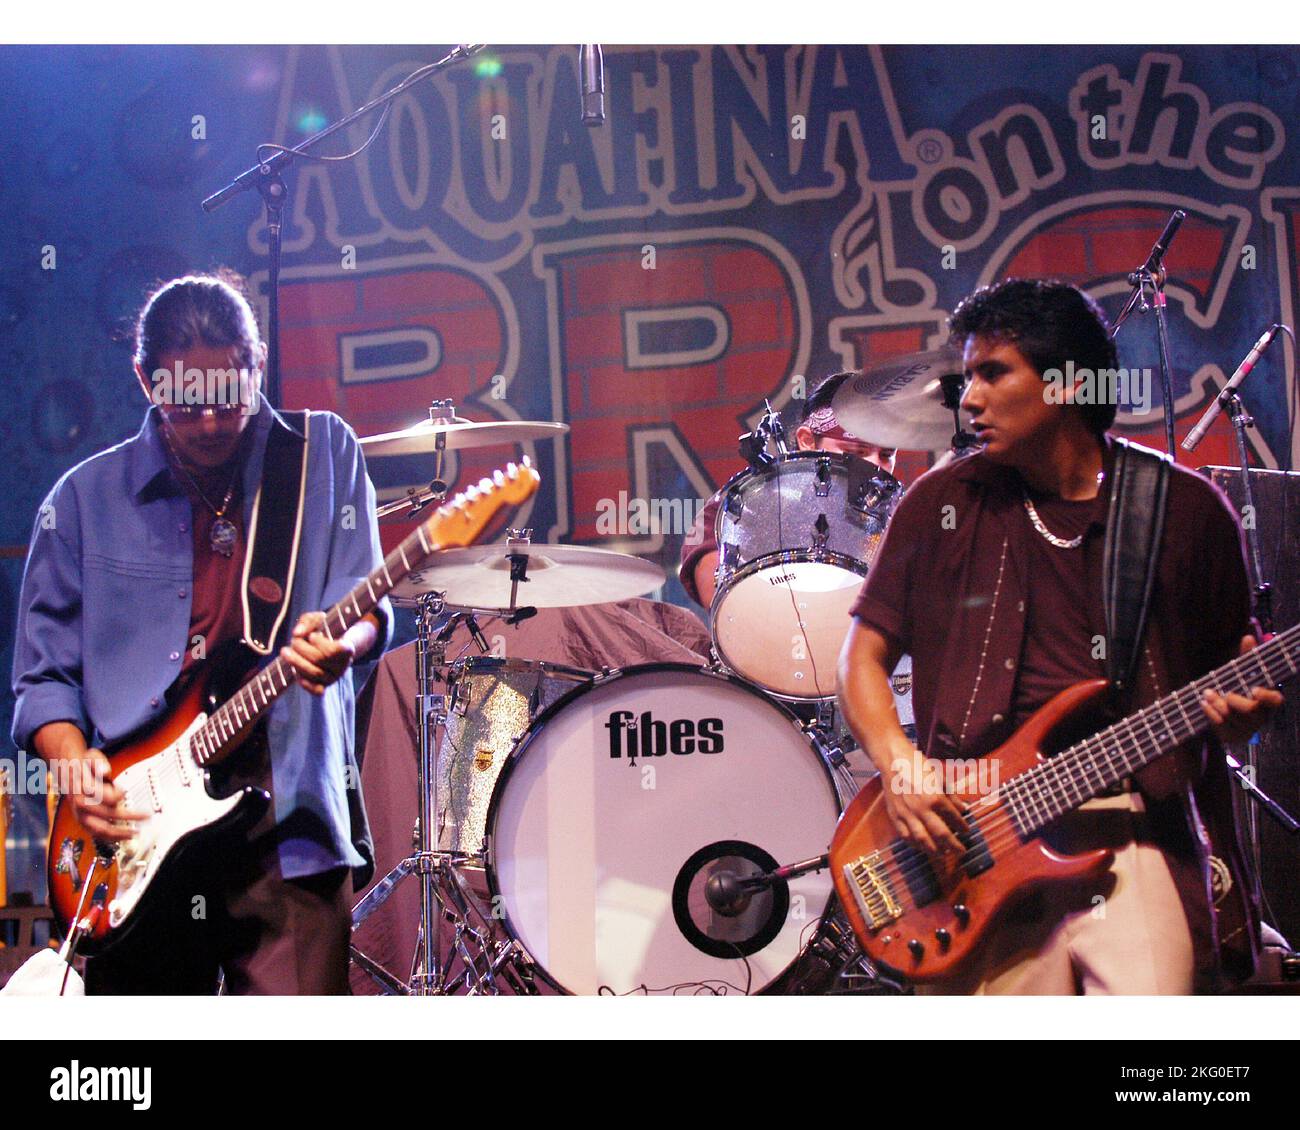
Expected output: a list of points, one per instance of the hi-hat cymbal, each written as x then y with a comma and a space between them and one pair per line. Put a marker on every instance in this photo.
558, 576
456, 434
899, 403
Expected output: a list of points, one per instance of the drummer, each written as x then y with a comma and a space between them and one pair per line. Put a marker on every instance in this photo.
817, 431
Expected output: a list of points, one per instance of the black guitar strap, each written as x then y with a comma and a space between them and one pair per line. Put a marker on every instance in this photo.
274, 532
1134, 526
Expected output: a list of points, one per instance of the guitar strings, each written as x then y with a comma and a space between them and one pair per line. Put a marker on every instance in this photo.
1002, 830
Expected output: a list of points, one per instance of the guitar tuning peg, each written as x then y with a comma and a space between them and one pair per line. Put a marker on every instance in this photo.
498, 478
512, 471
484, 485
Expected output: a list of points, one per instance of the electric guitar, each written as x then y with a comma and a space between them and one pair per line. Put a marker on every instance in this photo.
170, 769
924, 916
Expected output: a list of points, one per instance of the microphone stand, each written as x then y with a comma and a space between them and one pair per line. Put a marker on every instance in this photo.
267, 177
1241, 420
1152, 275
1155, 280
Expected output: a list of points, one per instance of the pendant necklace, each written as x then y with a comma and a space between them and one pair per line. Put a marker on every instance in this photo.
223, 535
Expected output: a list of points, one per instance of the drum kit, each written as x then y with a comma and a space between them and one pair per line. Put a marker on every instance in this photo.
658, 828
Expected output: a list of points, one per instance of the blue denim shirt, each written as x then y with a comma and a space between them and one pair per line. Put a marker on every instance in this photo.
104, 614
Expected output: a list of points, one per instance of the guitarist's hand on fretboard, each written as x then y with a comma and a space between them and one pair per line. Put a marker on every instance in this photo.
1235, 717
318, 660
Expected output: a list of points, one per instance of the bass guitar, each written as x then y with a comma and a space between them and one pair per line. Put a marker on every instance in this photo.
924, 916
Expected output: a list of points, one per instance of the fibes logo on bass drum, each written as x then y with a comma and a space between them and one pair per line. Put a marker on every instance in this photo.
647, 736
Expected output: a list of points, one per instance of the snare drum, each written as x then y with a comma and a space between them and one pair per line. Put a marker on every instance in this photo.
490, 703
625, 800
795, 540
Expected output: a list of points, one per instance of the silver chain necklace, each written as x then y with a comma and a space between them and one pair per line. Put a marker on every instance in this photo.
1060, 543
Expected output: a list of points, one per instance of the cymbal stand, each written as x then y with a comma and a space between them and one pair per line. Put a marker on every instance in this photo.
442, 891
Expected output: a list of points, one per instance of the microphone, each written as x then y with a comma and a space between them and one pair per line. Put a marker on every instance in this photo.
1162, 245
1243, 371
726, 894
591, 68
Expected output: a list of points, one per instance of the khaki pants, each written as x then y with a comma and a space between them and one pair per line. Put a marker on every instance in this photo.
1125, 933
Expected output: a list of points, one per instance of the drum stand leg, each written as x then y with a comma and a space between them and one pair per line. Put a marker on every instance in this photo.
483, 952
428, 975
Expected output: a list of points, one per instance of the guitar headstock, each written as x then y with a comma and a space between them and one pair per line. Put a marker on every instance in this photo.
459, 520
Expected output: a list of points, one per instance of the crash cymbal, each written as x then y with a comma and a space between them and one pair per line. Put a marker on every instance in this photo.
557, 576
899, 403
456, 434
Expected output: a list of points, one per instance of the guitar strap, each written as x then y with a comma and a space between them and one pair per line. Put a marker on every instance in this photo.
274, 531
1134, 526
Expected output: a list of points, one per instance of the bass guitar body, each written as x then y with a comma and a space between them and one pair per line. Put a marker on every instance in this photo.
924, 916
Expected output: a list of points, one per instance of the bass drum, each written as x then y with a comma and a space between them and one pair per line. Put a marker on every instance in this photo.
625, 799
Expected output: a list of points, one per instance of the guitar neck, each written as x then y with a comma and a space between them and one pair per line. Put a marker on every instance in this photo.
1084, 770
222, 734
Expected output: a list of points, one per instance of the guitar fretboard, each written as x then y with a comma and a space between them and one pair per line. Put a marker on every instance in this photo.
1060, 784
457, 522
229, 724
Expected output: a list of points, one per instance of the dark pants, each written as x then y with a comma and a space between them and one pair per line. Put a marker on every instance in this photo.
231, 912
267, 934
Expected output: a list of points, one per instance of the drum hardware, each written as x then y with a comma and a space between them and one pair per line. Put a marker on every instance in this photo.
823, 486
443, 895
519, 541
753, 445
951, 385
441, 412
835, 965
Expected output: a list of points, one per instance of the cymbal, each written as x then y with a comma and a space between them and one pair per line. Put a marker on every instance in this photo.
558, 576
458, 433
899, 403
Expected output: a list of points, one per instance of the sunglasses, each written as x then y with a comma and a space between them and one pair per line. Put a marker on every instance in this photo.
203, 411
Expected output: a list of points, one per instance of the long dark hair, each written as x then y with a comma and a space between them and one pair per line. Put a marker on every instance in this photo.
205, 309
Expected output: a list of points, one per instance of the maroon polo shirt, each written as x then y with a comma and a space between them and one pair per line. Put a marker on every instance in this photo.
997, 620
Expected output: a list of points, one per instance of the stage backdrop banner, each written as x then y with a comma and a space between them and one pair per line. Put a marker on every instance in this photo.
746, 221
